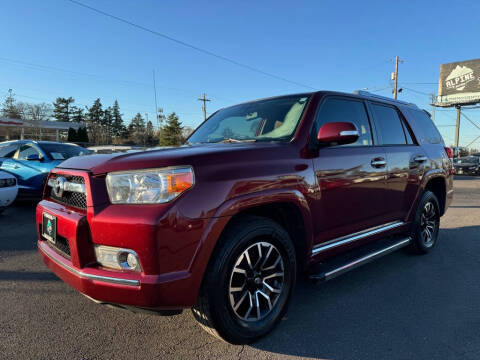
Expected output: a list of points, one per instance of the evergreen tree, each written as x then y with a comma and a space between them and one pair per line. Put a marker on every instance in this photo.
10, 108
62, 110
77, 114
137, 129
150, 134
82, 135
107, 125
118, 128
171, 132
94, 121
72, 135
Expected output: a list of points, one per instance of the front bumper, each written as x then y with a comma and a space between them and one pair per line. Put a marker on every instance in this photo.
466, 171
150, 289
7, 195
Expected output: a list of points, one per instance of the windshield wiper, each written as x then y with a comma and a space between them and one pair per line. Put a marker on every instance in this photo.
232, 140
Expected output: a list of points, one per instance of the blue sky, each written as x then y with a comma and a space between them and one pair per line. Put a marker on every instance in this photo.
55, 48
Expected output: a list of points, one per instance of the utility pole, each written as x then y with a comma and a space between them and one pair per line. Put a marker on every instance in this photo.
395, 77
204, 105
155, 92
457, 126
432, 99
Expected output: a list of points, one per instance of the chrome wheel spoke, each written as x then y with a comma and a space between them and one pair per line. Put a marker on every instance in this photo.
274, 264
237, 305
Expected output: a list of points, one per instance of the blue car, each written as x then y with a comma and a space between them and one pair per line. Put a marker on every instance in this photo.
31, 161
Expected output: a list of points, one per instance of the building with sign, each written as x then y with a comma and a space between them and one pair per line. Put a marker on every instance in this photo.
11, 129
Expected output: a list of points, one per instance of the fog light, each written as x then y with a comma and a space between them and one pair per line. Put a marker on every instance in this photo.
132, 261
117, 258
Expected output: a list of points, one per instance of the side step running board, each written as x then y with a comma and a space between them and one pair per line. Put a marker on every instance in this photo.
341, 265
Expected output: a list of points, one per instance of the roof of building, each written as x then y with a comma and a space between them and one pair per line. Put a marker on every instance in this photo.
54, 125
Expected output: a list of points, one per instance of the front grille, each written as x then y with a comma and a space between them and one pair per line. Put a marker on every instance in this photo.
69, 198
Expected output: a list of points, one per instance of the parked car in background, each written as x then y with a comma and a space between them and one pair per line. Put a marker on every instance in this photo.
8, 189
317, 183
468, 165
31, 161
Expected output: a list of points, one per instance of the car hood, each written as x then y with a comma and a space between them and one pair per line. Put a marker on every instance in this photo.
169, 156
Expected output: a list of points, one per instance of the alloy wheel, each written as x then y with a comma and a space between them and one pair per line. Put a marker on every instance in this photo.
256, 281
428, 224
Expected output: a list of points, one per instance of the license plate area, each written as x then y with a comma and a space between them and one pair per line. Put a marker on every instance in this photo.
49, 227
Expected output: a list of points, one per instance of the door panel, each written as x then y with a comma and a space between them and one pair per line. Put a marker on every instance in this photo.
352, 191
405, 160
351, 178
405, 165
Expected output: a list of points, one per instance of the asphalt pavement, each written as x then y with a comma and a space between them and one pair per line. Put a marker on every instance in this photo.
399, 307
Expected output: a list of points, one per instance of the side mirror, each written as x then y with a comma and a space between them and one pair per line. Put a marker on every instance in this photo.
33, 157
338, 133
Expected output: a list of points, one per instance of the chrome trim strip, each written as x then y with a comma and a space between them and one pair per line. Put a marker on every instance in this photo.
81, 274
349, 133
356, 263
354, 237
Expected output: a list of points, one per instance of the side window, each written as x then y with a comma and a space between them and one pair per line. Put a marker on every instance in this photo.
335, 109
408, 135
8, 150
390, 125
428, 129
25, 151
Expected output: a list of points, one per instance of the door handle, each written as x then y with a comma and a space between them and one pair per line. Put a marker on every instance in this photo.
378, 162
420, 159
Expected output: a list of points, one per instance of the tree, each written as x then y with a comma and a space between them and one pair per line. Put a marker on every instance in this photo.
78, 115
82, 135
150, 134
107, 125
94, 121
72, 135
137, 129
62, 110
118, 128
9, 107
171, 133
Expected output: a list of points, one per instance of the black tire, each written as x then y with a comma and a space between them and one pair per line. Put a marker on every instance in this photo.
214, 309
428, 209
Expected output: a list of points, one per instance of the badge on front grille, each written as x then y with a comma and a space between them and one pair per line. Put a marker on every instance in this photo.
59, 186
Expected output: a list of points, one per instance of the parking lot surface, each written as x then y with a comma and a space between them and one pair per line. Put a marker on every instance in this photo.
399, 307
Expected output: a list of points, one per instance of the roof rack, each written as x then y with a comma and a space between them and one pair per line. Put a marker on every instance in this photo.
375, 96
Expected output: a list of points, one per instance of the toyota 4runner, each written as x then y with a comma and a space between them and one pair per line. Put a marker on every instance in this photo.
316, 183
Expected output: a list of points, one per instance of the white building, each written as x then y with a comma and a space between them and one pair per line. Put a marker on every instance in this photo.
11, 129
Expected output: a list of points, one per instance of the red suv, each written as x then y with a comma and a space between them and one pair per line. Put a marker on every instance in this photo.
314, 183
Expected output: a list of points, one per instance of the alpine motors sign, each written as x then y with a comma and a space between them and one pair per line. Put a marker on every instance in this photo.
459, 83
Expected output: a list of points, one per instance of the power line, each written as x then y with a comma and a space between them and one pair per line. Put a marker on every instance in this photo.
47, 68
194, 47
416, 91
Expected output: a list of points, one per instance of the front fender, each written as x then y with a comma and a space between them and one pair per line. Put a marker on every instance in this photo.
232, 207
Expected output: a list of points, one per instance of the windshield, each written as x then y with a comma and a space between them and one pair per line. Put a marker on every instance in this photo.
468, 159
63, 151
264, 120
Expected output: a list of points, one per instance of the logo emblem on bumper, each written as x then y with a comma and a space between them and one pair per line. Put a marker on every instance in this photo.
59, 186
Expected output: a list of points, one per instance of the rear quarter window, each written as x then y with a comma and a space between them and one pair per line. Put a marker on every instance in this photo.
423, 123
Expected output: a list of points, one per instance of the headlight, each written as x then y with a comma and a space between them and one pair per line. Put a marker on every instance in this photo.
150, 186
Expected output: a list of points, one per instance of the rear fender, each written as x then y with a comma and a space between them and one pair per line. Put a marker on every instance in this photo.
429, 175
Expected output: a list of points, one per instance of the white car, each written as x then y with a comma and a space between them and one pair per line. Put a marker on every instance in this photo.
8, 189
